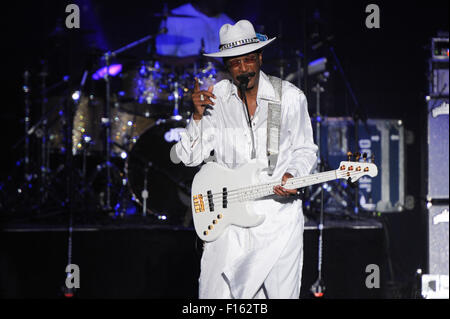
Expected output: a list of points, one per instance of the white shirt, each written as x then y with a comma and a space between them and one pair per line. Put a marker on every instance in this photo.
246, 256
184, 35
224, 129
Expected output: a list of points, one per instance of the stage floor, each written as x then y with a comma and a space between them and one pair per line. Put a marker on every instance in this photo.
131, 259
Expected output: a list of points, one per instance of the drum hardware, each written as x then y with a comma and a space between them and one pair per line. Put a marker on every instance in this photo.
161, 189
318, 287
144, 193
28, 175
176, 99
37, 171
44, 152
106, 120
26, 91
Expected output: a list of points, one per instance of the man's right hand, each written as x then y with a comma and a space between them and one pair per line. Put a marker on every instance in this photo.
201, 99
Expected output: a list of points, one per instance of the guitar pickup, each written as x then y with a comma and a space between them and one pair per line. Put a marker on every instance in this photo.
224, 198
210, 201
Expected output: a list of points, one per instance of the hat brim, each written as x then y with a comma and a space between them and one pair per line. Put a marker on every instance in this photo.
244, 49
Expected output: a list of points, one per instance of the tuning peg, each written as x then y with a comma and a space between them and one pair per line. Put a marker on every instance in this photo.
365, 157
357, 156
349, 155
372, 159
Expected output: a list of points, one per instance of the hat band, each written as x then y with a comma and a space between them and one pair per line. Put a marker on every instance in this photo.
238, 43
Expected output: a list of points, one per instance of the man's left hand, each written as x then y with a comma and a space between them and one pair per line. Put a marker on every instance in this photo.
281, 191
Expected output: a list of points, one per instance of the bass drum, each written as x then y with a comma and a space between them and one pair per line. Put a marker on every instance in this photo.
168, 184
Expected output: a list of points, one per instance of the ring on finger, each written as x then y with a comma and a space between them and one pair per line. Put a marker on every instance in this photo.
202, 98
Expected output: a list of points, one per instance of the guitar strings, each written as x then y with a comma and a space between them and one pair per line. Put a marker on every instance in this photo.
266, 188
295, 180
240, 194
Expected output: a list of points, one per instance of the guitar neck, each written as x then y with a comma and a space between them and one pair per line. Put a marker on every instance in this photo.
262, 190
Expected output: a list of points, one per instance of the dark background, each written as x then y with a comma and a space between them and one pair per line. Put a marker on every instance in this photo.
386, 67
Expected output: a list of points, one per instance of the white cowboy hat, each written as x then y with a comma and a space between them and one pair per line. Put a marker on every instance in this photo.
239, 39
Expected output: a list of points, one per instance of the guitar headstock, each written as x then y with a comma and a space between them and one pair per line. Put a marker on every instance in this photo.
354, 170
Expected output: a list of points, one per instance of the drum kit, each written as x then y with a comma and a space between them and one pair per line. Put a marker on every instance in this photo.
124, 118
116, 128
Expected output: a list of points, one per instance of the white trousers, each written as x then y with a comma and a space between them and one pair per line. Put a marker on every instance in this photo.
283, 281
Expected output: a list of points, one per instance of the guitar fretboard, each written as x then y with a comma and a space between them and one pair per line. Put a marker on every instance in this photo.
262, 190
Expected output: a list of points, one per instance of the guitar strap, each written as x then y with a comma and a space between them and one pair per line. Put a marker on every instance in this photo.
273, 125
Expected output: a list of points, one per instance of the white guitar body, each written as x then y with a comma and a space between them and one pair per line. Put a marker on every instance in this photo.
221, 196
212, 177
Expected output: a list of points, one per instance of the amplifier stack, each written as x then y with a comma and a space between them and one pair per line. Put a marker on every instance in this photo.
435, 281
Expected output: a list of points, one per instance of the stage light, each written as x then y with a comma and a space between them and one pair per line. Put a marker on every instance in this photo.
123, 155
76, 95
114, 69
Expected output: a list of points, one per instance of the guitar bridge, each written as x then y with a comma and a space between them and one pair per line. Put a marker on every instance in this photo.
199, 205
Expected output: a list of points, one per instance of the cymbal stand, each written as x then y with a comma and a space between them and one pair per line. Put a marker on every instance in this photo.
176, 99
145, 193
36, 170
44, 167
26, 90
106, 120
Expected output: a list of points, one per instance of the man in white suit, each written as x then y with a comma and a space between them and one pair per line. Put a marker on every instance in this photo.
263, 261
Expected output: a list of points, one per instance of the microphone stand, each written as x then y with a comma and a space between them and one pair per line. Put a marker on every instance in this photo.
318, 288
358, 114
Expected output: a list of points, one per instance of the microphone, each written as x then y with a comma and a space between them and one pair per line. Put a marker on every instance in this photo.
244, 79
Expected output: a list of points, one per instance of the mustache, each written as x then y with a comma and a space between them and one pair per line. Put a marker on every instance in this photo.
246, 75
245, 78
